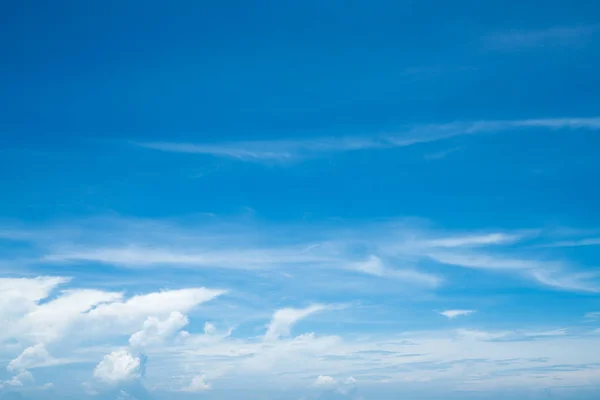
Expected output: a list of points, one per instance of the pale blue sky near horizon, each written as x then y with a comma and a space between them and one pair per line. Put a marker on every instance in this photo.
300, 200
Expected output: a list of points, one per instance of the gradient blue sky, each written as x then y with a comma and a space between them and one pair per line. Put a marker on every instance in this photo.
310, 200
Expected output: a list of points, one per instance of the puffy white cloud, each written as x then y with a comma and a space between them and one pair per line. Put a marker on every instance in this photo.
325, 380
30, 357
118, 366
350, 380
209, 329
284, 319
23, 378
155, 330
198, 384
456, 313
88, 314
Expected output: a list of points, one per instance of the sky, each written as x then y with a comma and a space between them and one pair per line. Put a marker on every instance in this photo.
300, 200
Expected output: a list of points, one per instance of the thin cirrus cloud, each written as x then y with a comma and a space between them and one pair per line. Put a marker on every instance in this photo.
373, 265
397, 250
553, 274
595, 241
554, 36
290, 149
592, 316
451, 314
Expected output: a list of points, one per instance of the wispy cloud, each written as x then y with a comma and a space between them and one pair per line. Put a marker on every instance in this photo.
404, 252
595, 241
475, 240
592, 316
293, 149
284, 319
553, 274
450, 314
373, 265
526, 39
441, 154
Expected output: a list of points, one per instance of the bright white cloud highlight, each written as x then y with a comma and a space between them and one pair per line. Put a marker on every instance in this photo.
155, 331
325, 380
118, 366
198, 384
456, 313
284, 319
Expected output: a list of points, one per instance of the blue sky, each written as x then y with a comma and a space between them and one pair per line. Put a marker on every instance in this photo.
310, 200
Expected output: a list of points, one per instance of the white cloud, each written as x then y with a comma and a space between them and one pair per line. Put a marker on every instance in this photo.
549, 273
118, 366
23, 378
286, 150
155, 330
574, 243
86, 314
157, 303
30, 357
404, 243
456, 313
324, 380
350, 380
138, 256
527, 39
284, 319
197, 384
20, 295
593, 316
559, 279
49, 321
373, 265
474, 240
209, 329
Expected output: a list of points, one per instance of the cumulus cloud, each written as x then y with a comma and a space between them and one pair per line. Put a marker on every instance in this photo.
156, 330
284, 319
456, 313
23, 378
197, 384
209, 329
30, 357
350, 380
89, 314
118, 366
